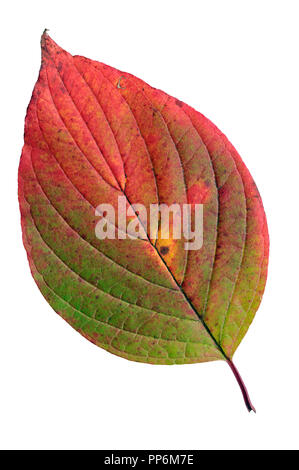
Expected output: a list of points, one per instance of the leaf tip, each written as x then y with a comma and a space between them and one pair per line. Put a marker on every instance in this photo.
244, 391
48, 46
44, 43
43, 39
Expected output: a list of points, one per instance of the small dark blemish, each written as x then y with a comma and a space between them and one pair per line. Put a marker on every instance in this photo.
118, 83
179, 103
164, 250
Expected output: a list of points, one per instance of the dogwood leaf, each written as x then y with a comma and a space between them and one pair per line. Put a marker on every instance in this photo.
94, 134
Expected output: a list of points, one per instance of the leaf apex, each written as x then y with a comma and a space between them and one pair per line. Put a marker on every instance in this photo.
43, 38
48, 46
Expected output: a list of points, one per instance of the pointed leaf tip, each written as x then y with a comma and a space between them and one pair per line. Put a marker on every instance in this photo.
48, 46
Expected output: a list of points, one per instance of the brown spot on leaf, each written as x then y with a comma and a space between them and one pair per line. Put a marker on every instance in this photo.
179, 103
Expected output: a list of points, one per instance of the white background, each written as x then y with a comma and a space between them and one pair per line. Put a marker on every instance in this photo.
236, 62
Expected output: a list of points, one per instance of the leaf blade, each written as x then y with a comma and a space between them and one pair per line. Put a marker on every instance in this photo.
154, 149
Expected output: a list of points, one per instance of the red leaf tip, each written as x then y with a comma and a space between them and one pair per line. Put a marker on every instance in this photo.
48, 46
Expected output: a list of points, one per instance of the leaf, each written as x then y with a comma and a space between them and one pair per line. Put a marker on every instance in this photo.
93, 134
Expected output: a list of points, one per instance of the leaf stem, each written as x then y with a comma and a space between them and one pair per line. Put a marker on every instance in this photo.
242, 386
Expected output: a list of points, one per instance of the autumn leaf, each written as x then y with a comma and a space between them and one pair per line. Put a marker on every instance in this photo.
94, 135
